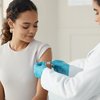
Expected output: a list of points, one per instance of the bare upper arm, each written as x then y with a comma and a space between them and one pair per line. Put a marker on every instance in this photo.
2, 95
47, 56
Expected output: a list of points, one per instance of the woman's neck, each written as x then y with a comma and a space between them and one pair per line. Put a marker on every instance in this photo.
18, 45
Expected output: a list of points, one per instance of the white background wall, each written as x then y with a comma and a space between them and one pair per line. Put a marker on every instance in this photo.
1, 13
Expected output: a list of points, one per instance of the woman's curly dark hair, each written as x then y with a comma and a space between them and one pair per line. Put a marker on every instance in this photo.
98, 2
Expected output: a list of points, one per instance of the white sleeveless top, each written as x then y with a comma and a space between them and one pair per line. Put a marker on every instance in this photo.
16, 73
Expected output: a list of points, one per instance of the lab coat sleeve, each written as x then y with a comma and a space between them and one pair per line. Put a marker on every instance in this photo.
79, 63
76, 66
73, 70
83, 85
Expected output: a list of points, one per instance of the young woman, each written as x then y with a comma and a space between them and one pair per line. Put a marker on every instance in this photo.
19, 51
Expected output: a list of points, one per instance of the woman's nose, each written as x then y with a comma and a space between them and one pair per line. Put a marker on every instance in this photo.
32, 30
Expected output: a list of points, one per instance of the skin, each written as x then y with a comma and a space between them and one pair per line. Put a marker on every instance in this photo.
2, 95
96, 8
24, 30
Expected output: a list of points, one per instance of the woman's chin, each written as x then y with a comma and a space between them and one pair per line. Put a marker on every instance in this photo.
28, 40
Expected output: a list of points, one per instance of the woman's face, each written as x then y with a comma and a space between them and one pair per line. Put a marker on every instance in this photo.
96, 8
25, 27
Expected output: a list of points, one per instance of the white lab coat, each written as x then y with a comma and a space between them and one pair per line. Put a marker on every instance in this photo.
83, 85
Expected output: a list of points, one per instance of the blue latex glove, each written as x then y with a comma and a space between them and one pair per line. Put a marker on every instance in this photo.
60, 67
38, 69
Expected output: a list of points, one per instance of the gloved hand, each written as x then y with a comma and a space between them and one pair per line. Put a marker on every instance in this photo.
60, 67
38, 69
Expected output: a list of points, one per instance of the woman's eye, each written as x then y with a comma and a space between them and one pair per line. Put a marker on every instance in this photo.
25, 27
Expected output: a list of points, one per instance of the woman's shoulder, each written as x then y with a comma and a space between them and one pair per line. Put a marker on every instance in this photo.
39, 46
39, 43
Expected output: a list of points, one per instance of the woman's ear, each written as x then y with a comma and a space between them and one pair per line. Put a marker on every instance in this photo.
10, 23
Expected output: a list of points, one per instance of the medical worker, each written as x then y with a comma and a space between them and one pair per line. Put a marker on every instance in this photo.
84, 85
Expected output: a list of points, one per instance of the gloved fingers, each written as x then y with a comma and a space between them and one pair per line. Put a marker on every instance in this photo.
39, 63
60, 67
58, 63
62, 71
38, 68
